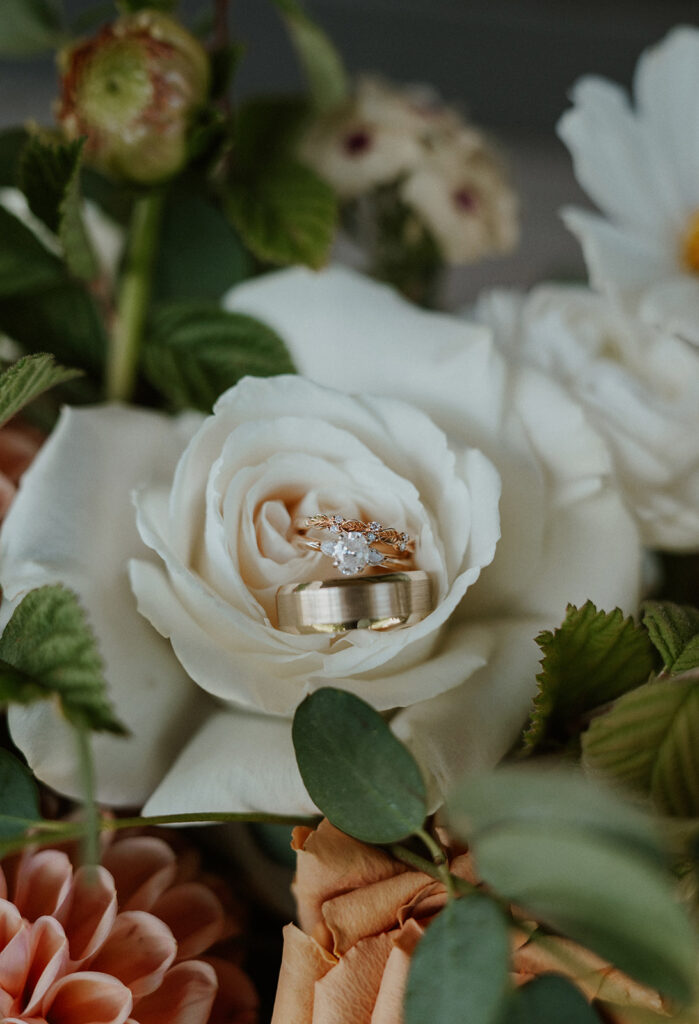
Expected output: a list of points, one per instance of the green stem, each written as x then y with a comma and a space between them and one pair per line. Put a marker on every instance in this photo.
134, 294
439, 859
87, 775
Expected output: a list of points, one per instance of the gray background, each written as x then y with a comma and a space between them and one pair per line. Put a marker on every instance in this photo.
509, 63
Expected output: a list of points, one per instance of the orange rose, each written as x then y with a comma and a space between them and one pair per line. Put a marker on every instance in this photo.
19, 443
361, 915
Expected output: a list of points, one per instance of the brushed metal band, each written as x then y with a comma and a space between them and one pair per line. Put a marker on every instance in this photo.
380, 603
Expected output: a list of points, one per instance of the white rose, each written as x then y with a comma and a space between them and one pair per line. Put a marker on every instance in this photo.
639, 386
459, 682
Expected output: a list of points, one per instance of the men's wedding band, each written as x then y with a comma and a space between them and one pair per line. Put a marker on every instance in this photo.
380, 603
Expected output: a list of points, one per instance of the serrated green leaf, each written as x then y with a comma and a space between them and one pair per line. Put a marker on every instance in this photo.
197, 351
591, 659
649, 741
28, 27
459, 970
26, 266
549, 998
49, 641
322, 64
62, 318
211, 260
19, 797
28, 378
596, 883
50, 179
285, 214
355, 770
674, 630
12, 142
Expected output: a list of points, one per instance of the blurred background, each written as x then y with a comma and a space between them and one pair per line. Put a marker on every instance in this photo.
507, 63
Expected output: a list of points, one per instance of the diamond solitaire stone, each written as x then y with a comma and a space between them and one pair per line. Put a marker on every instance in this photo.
351, 553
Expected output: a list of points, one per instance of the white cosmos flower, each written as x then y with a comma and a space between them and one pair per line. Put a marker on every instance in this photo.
641, 167
639, 386
409, 416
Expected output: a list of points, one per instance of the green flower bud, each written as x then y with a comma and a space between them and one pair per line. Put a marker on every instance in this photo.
132, 90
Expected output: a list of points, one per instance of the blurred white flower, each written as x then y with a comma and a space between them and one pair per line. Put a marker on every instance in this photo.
641, 168
639, 387
461, 195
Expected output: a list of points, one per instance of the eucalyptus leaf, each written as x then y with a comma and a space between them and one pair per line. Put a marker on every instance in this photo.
29, 27
48, 641
62, 318
50, 179
19, 797
355, 770
649, 741
593, 658
26, 266
325, 72
549, 998
196, 351
28, 378
285, 214
674, 630
459, 970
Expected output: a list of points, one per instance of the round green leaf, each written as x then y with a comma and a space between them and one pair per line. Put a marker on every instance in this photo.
355, 770
19, 797
459, 970
549, 998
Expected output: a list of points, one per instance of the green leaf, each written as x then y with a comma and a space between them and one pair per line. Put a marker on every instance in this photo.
590, 660
285, 214
50, 179
597, 882
197, 351
130, 6
674, 630
549, 998
649, 741
62, 319
355, 770
459, 970
26, 266
19, 797
49, 640
266, 130
12, 142
28, 27
28, 378
325, 72
199, 254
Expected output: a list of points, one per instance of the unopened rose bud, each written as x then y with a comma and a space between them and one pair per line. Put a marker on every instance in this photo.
132, 90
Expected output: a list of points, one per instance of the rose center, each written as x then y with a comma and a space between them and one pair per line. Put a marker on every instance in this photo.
690, 244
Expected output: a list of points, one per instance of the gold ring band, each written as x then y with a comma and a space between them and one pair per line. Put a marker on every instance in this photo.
379, 603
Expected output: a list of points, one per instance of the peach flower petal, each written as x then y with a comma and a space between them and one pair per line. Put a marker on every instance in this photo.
42, 883
138, 952
328, 864
19, 444
388, 1008
373, 908
87, 998
304, 963
185, 997
15, 949
143, 868
89, 913
48, 958
3, 885
349, 991
195, 916
236, 1001
7, 496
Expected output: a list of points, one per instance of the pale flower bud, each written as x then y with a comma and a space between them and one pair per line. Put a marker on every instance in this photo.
132, 90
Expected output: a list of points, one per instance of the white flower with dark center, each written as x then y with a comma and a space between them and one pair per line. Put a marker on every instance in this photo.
639, 386
492, 471
641, 167
461, 195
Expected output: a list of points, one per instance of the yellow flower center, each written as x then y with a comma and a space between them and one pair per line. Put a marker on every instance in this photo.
690, 244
